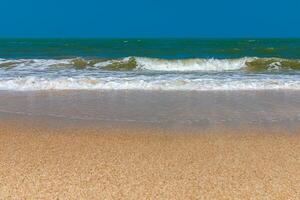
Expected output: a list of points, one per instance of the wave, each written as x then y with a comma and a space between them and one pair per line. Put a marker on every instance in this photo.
196, 64
251, 64
187, 83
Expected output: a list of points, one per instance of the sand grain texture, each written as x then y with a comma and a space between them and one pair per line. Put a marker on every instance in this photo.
93, 163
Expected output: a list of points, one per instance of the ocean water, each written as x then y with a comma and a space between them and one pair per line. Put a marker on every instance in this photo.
149, 64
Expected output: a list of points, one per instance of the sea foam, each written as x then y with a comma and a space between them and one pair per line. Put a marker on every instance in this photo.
137, 73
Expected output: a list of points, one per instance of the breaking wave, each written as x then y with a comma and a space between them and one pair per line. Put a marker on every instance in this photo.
137, 73
251, 64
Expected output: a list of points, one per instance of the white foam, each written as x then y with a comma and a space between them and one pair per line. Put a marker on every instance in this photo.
149, 83
152, 64
192, 64
210, 74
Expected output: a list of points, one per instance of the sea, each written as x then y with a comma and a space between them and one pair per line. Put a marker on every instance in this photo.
150, 64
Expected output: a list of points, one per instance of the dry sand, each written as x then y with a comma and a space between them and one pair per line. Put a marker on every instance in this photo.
39, 162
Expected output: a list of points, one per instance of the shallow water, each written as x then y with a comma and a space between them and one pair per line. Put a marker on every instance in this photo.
182, 109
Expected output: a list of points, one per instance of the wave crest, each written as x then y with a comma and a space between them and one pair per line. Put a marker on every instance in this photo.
251, 64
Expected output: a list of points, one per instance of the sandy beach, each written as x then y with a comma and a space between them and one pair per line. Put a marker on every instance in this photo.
94, 163
51, 156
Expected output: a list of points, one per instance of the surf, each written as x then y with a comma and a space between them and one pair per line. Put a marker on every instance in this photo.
251, 64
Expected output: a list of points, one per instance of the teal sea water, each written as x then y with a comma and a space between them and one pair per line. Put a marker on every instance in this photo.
153, 48
150, 64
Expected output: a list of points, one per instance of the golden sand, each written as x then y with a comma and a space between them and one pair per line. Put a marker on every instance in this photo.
105, 163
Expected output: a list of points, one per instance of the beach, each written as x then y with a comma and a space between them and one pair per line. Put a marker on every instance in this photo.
138, 118
149, 145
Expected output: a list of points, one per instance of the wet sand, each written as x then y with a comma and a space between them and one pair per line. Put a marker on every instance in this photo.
46, 154
205, 109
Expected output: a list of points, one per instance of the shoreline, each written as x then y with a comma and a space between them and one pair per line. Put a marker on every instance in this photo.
191, 108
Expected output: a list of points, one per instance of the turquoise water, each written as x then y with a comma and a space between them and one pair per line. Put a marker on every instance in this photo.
157, 48
149, 64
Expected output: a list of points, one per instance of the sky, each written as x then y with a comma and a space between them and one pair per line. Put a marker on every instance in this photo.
149, 18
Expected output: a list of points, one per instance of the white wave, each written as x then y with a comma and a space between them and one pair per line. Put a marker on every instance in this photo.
150, 83
192, 64
149, 64
58, 74
153, 64
31, 64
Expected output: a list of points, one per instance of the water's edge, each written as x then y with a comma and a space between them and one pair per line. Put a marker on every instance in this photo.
163, 109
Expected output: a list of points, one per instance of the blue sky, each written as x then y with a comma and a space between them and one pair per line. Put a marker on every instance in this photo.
150, 18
